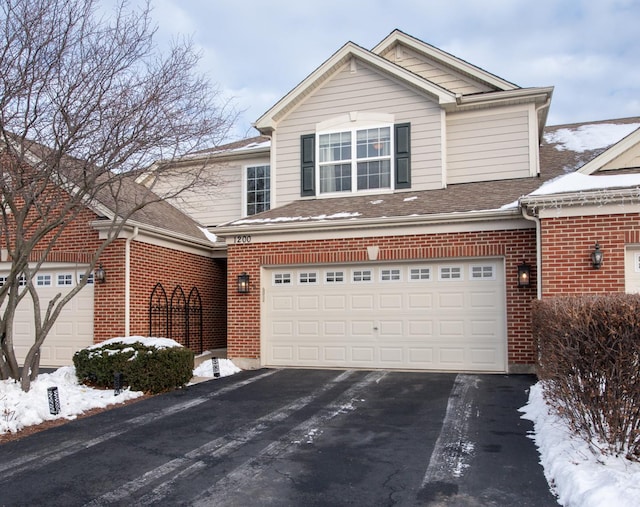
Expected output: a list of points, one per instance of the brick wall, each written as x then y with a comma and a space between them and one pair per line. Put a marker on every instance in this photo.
514, 246
150, 265
567, 243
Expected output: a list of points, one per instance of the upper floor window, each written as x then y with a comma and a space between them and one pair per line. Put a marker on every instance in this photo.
357, 159
258, 189
348, 156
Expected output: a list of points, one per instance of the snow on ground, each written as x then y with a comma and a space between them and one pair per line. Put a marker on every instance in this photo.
580, 477
19, 409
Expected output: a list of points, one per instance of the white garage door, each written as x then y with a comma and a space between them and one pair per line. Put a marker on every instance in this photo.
632, 269
447, 316
72, 331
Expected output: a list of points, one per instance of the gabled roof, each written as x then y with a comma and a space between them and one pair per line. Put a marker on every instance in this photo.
268, 121
444, 58
504, 92
121, 199
467, 201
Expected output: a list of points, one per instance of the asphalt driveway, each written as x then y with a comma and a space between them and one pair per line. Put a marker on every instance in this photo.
293, 438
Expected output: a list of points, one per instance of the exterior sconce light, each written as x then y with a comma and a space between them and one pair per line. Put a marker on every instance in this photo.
597, 256
100, 275
243, 283
524, 275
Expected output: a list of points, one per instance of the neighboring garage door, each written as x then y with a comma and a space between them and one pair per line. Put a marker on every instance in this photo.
72, 331
447, 316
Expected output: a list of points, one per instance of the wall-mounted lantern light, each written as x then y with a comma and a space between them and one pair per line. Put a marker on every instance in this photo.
597, 256
524, 275
100, 275
243, 283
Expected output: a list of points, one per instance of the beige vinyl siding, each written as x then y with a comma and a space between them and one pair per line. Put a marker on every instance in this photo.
630, 159
488, 146
439, 74
364, 90
211, 204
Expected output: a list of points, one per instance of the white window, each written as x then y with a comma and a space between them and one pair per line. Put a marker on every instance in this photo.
355, 160
282, 279
43, 280
450, 273
308, 277
637, 262
483, 272
89, 280
419, 273
362, 275
64, 279
334, 277
3, 280
258, 189
22, 281
390, 275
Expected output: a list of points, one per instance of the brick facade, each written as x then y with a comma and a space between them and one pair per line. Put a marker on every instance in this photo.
514, 246
567, 243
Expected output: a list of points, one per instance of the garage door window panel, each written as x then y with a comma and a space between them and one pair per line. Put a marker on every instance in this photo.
390, 275
281, 279
64, 280
419, 274
43, 281
482, 272
308, 278
362, 276
450, 273
334, 277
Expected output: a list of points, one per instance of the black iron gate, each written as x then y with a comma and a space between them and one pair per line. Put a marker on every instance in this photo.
179, 318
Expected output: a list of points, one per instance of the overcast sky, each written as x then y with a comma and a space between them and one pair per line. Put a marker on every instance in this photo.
257, 51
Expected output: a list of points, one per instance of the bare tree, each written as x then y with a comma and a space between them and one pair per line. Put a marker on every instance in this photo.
86, 104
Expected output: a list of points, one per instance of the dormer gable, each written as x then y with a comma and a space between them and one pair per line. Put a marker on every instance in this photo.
438, 66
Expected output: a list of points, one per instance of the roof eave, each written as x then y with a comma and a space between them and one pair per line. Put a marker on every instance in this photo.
444, 58
617, 195
367, 223
267, 123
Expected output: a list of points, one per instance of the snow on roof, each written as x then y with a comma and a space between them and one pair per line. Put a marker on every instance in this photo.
248, 221
578, 182
208, 234
589, 137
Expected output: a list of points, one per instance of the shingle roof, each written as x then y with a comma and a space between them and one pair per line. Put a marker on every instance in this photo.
555, 160
124, 195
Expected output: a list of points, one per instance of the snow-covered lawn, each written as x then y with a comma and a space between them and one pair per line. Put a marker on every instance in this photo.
579, 477
19, 409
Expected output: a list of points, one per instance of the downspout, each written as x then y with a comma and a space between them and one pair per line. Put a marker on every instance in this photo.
127, 282
536, 220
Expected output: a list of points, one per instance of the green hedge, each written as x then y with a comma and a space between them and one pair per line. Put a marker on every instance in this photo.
143, 368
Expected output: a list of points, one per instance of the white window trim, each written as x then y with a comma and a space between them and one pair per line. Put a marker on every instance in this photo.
334, 282
371, 278
636, 262
245, 187
391, 272
418, 280
450, 266
354, 127
308, 272
65, 274
485, 265
43, 275
282, 284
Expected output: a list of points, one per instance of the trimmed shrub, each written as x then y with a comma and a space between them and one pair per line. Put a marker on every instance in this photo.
149, 369
589, 365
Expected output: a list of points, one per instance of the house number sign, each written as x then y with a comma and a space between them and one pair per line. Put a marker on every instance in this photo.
242, 240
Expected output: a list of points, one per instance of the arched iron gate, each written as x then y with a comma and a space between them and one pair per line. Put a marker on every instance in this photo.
179, 318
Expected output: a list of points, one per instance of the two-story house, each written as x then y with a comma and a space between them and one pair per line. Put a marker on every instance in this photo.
400, 209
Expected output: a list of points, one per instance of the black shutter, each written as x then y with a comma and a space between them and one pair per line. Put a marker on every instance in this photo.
403, 155
308, 165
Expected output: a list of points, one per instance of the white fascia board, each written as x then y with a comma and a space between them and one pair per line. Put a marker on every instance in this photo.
170, 239
267, 122
352, 224
599, 197
445, 58
614, 151
521, 95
